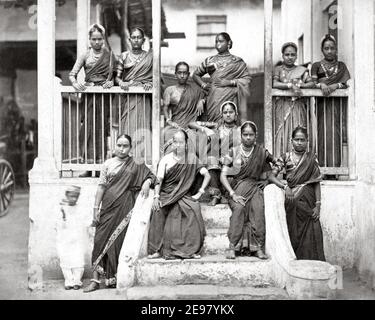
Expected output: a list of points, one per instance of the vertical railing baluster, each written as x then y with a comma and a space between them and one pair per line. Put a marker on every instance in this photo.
136, 125
86, 159
333, 132
128, 106
308, 108
145, 128
273, 130
119, 116
94, 127
341, 133
282, 149
110, 124
70, 128
103, 131
325, 131
77, 132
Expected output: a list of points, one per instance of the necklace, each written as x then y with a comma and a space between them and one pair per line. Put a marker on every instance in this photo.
330, 69
246, 154
296, 157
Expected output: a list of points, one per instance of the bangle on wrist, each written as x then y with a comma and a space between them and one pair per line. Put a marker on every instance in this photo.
203, 85
232, 193
285, 187
318, 202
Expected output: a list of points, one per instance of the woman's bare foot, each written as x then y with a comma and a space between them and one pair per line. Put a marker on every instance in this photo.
197, 256
93, 286
154, 256
261, 255
231, 254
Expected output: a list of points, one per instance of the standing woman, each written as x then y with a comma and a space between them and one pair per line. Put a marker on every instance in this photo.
177, 228
247, 164
134, 69
120, 181
230, 79
330, 75
290, 112
98, 63
302, 197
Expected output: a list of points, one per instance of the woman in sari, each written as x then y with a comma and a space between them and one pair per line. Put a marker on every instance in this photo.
98, 63
134, 69
120, 181
289, 111
221, 137
177, 229
302, 198
249, 167
182, 103
230, 79
330, 75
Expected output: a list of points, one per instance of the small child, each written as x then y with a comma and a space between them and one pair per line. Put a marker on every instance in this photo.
71, 239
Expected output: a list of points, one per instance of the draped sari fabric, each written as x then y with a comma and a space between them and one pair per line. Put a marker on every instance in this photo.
185, 111
118, 201
305, 233
330, 151
290, 112
136, 109
247, 223
177, 230
237, 70
96, 75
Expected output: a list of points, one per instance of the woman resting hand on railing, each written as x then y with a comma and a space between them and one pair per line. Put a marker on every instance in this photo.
302, 197
134, 69
98, 63
289, 111
330, 74
120, 182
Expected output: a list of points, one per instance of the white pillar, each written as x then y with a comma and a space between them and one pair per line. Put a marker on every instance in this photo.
83, 23
156, 39
268, 66
44, 165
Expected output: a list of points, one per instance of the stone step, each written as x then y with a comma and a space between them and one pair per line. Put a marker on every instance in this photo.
216, 217
205, 292
214, 270
216, 242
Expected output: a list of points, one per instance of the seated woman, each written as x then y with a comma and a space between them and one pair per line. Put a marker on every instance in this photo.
330, 75
134, 69
302, 197
120, 181
177, 228
98, 63
222, 136
289, 111
230, 79
247, 164
183, 103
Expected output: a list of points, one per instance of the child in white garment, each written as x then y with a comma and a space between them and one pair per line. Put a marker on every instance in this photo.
71, 239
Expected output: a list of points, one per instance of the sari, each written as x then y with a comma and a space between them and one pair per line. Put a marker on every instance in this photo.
330, 148
177, 229
305, 233
227, 67
136, 109
183, 113
118, 200
247, 223
290, 112
96, 74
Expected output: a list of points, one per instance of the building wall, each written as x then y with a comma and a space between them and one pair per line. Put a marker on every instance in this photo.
245, 24
356, 49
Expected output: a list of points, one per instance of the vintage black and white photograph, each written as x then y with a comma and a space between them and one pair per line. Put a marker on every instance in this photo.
187, 150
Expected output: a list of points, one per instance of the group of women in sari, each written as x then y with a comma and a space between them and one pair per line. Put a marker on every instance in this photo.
205, 146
